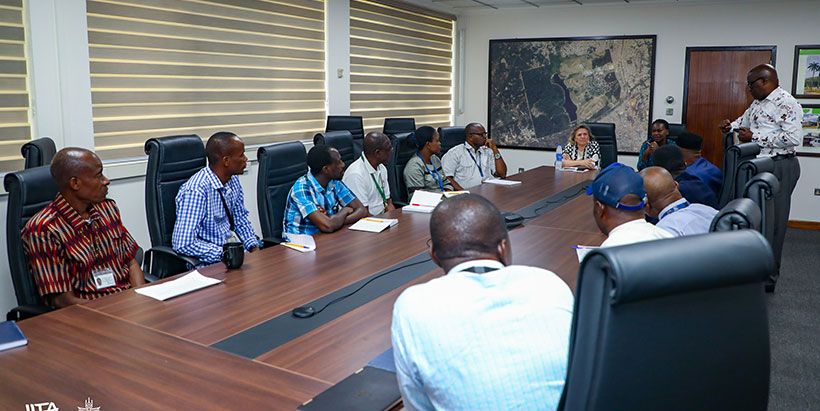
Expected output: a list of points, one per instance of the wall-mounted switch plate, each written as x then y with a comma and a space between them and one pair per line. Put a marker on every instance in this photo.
817, 191
670, 111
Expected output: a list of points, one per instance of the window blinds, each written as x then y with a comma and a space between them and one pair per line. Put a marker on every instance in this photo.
14, 124
401, 64
169, 67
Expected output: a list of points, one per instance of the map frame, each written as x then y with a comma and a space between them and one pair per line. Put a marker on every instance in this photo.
627, 144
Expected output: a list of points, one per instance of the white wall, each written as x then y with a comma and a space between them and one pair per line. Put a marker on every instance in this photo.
780, 23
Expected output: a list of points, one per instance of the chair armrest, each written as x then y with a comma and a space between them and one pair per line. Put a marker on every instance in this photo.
400, 204
149, 278
22, 312
168, 251
271, 241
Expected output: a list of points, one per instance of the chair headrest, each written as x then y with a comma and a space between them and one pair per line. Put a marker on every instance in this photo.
322, 138
746, 150
177, 148
758, 165
683, 264
739, 213
766, 181
39, 185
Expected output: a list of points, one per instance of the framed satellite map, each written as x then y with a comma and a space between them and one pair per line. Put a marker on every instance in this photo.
540, 89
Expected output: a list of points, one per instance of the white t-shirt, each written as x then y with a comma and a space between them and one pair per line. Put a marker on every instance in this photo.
358, 179
635, 231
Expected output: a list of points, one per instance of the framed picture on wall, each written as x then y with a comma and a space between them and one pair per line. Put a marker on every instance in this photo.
810, 146
540, 89
806, 75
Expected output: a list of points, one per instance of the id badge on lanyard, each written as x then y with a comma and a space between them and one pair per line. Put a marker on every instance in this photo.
103, 278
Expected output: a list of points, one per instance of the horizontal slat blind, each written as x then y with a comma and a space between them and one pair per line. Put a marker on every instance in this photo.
401, 64
165, 67
14, 124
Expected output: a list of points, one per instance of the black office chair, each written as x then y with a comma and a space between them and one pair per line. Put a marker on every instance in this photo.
450, 137
353, 124
761, 189
404, 148
675, 129
38, 152
676, 324
340, 140
750, 168
171, 162
732, 157
739, 214
398, 125
605, 136
29, 191
280, 165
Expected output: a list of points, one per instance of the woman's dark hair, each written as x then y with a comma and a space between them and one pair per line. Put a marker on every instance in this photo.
423, 135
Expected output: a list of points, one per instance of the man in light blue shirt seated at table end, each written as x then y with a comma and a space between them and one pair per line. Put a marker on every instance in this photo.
676, 214
488, 335
211, 205
319, 201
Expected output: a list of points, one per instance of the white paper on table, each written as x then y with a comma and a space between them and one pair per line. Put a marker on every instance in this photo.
583, 250
425, 198
448, 194
299, 242
574, 169
373, 224
500, 182
418, 209
183, 285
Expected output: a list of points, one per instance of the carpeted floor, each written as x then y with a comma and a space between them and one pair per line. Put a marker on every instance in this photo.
794, 325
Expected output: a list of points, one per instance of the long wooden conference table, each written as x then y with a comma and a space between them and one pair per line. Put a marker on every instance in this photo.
236, 345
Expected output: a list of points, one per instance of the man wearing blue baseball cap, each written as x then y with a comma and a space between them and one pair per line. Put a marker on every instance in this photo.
618, 206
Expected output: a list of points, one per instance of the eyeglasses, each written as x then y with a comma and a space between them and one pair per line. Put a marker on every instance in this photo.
484, 134
752, 83
429, 242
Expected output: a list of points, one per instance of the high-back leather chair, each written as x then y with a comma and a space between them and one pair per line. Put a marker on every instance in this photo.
761, 189
171, 162
38, 152
29, 191
750, 168
676, 324
280, 165
353, 124
404, 148
605, 136
675, 129
732, 157
450, 137
739, 214
398, 125
341, 140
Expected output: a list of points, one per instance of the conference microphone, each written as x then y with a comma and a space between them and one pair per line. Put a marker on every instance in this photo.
303, 312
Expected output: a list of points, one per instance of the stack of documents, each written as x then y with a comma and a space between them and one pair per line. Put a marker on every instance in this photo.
182, 285
500, 182
423, 202
574, 169
448, 194
373, 224
11, 336
583, 250
299, 242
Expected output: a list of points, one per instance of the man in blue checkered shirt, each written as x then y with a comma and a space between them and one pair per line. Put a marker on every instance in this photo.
211, 206
319, 201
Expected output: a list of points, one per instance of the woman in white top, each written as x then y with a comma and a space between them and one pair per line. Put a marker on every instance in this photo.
582, 150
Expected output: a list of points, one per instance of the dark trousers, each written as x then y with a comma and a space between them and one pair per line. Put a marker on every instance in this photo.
787, 171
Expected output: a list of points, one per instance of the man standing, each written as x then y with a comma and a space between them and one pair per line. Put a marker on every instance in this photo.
211, 205
319, 201
76, 246
488, 334
676, 214
477, 160
618, 202
690, 145
367, 176
774, 122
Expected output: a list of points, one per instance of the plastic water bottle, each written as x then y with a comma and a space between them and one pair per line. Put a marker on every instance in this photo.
559, 157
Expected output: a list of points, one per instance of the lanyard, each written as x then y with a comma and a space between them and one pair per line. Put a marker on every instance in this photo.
378, 186
227, 210
480, 269
92, 240
680, 206
479, 158
433, 173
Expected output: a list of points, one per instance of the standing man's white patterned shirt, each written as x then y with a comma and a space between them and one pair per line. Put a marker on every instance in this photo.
492, 341
775, 122
467, 166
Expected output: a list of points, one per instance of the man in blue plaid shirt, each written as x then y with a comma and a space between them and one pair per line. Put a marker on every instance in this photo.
211, 206
319, 201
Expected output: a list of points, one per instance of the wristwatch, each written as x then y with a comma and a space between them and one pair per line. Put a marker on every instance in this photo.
497, 156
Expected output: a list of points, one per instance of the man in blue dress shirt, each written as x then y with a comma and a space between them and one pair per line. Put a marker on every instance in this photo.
211, 205
677, 215
694, 189
319, 200
690, 145
489, 335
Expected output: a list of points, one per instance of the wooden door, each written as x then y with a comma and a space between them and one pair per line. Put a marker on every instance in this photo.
715, 89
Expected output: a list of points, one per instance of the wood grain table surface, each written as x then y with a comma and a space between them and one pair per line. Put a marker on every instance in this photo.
153, 353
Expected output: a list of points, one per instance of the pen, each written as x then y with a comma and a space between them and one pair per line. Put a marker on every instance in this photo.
297, 245
370, 219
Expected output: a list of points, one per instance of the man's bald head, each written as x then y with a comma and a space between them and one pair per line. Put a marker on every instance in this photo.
661, 189
72, 162
220, 145
765, 71
466, 227
375, 141
762, 81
